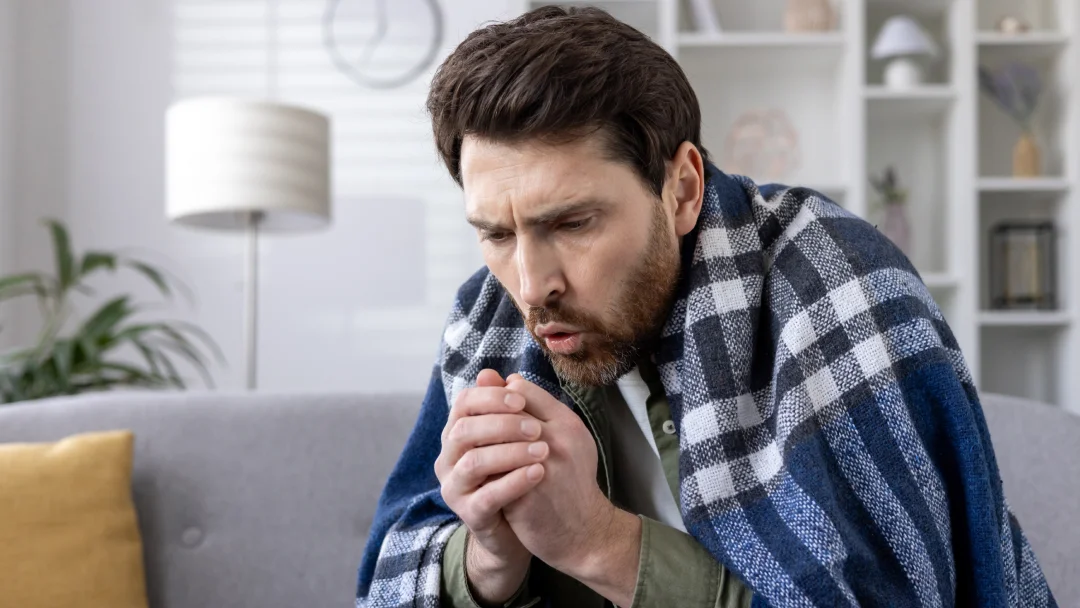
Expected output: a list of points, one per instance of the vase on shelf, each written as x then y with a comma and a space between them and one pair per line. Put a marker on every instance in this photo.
802, 16
1026, 155
896, 227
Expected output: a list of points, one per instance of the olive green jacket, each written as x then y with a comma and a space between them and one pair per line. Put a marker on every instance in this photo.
675, 570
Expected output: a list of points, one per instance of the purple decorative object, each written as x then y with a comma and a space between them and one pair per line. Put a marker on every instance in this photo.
1015, 88
894, 224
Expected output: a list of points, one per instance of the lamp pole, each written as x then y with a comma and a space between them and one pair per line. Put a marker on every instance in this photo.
251, 300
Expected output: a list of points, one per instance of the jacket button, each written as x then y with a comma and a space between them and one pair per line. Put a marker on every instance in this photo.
669, 427
192, 537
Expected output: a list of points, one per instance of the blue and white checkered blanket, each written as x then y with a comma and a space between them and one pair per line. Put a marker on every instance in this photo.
833, 451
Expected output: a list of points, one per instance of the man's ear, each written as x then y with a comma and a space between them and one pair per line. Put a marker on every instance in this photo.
685, 187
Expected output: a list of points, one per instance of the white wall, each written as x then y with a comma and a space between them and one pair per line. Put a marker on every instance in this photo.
7, 66
38, 74
358, 307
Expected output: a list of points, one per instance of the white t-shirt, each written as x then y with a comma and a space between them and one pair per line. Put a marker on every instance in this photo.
639, 471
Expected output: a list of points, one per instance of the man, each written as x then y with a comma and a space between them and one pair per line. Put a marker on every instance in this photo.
671, 387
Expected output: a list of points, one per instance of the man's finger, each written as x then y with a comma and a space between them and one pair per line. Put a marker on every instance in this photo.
490, 429
492, 497
538, 402
489, 377
482, 400
479, 464
486, 400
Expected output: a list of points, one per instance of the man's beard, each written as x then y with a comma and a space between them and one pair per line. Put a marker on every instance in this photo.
642, 308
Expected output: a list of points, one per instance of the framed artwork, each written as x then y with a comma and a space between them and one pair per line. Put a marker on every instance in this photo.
1023, 266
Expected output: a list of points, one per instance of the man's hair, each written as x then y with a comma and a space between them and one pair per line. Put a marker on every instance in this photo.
558, 74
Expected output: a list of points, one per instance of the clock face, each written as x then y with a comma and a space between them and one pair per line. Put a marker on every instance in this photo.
383, 43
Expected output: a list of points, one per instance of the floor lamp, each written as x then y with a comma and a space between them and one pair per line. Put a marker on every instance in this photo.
253, 166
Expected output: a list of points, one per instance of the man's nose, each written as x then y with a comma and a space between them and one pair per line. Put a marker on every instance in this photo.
540, 273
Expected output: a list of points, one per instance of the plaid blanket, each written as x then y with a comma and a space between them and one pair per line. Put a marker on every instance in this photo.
833, 451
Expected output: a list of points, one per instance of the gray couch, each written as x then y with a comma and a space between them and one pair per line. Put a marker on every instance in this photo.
264, 501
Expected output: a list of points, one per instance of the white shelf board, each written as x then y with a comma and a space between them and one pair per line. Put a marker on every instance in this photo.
775, 52
1029, 46
910, 6
831, 190
597, 3
826, 40
927, 100
1023, 185
1024, 318
939, 280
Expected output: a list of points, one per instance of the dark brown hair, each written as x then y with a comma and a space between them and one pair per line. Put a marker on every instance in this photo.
561, 73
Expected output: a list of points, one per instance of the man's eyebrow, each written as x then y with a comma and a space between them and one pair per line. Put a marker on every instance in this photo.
484, 225
546, 217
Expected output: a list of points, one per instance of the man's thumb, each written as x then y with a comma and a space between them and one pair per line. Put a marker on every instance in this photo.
489, 377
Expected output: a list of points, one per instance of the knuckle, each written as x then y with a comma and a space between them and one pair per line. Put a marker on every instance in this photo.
483, 504
450, 498
460, 429
508, 426
459, 401
469, 514
472, 461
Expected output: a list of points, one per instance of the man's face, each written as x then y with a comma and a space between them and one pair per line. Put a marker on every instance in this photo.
587, 252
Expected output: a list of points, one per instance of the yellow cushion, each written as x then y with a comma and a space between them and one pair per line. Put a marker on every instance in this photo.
68, 531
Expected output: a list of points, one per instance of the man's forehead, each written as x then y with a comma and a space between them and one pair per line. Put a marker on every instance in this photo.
495, 174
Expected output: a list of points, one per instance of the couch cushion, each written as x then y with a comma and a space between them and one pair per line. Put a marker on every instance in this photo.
68, 532
244, 500
1038, 451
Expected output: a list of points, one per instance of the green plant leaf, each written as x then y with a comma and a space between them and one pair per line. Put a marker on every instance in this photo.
178, 343
106, 318
204, 337
153, 274
170, 371
106, 349
23, 284
96, 259
64, 358
136, 375
149, 355
65, 262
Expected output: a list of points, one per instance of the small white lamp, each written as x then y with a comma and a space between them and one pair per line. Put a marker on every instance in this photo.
902, 40
258, 166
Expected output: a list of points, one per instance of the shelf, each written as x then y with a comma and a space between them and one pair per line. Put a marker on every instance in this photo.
833, 40
833, 191
916, 7
939, 280
1030, 46
928, 100
1024, 318
534, 4
776, 52
1023, 185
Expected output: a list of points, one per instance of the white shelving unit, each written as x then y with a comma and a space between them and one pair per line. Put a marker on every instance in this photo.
951, 147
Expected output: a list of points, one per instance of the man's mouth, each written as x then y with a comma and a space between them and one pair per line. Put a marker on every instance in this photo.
563, 343
559, 338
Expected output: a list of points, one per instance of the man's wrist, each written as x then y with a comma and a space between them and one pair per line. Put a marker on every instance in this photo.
609, 559
493, 580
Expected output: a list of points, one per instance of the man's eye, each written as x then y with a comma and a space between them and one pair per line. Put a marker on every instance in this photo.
575, 225
497, 237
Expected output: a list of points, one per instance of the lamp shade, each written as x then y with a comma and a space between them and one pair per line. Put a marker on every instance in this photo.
902, 36
227, 159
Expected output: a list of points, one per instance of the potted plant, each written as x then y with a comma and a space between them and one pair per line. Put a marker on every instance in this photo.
895, 225
110, 348
1016, 89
